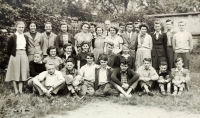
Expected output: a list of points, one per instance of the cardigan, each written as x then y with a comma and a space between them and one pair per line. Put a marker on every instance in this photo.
12, 44
59, 40
36, 68
131, 76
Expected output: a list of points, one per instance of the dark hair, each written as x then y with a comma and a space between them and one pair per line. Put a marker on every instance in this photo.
85, 42
116, 30
157, 22
129, 23
93, 24
103, 57
122, 24
66, 45
64, 24
84, 24
168, 20
70, 60
163, 63
178, 60
97, 28
90, 55
147, 59
124, 61
143, 25
32, 22
50, 48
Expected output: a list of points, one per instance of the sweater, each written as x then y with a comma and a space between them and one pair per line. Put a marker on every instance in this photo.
36, 68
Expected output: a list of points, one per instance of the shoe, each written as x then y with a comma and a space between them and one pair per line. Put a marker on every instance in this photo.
141, 93
128, 96
150, 93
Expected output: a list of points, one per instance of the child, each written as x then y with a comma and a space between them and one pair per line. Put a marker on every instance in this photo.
53, 58
164, 79
180, 77
103, 85
68, 54
81, 57
87, 73
72, 77
124, 79
147, 75
125, 55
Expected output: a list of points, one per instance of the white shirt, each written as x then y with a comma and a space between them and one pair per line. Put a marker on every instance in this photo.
88, 72
102, 76
157, 34
21, 41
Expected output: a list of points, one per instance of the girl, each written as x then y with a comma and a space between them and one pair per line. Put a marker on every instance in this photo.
18, 67
98, 43
143, 46
117, 40
52, 57
84, 35
81, 57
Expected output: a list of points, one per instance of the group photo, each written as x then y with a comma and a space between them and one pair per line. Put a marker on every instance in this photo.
59, 64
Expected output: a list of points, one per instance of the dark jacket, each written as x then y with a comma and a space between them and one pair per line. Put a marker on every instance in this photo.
59, 40
36, 69
131, 61
11, 47
73, 56
159, 45
108, 71
131, 76
112, 60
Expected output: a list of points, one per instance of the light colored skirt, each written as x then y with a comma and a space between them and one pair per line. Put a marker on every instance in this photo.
18, 67
140, 55
97, 52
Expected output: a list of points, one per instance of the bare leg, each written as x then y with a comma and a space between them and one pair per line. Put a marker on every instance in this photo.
20, 84
122, 91
169, 88
175, 90
146, 88
15, 87
129, 91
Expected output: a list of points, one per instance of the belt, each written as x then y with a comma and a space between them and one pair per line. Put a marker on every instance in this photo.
169, 46
20, 49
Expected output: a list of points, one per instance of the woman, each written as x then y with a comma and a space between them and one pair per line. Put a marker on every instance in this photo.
33, 41
63, 38
98, 43
52, 57
84, 35
114, 38
18, 66
143, 46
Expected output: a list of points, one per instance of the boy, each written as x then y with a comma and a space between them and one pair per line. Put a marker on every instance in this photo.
72, 77
124, 79
180, 77
87, 73
121, 28
164, 79
103, 85
147, 75
49, 82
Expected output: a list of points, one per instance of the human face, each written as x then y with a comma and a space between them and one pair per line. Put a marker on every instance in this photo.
179, 65
37, 58
99, 31
157, 27
109, 48
89, 60
122, 28
48, 27
147, 64
137, 28
32, 27
85, 28
163, 68
143, 30
64, 28
103, 63
51, 69
124, 67
74, 23
68, 49
69, 65
181, 26
20, 28
92, 28
129, 28
107, 25
125, 51
85, 47
53, 52
169, 25
113, 32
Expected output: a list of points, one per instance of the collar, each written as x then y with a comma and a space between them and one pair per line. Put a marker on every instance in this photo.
90, 65
107, 67
146, 69
126, 56
70, 71
179, 70
39, 62
17, 33
123, 72
161, 72
171, 30
53, 57
55, 72
158, 33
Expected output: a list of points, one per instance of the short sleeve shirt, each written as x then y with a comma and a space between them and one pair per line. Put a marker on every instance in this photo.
56, 60
80, 37
117, 40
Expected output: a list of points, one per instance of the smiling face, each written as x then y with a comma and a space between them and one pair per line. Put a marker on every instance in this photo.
53, 52
32, 28
181, 26
157, 27
89, 59
85, 47
99, 31
85, 28
37, 58
103, 63
113, 32
146, 64
122, 28
143, 30
48, 27
69, 65
51, 69
20, 27
63, 28
163, 68
129, 28
123, 67
179, 65
169, 25
68, 49
92, 28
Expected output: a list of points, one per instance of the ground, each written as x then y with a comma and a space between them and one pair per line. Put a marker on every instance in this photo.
107, 109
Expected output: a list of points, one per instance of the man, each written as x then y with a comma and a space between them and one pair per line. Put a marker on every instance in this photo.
147, 76
107, 27
159, 46
74, 26
170, 53
129, 38
49, 82
125, 80
121, 28
92, 30
182, 44
47, 38
137, 29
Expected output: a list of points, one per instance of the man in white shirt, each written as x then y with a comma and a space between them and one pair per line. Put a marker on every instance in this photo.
49, 82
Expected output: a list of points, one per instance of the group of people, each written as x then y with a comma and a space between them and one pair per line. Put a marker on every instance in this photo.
97, 61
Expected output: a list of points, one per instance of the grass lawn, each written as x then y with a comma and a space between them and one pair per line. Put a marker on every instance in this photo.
33, 106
